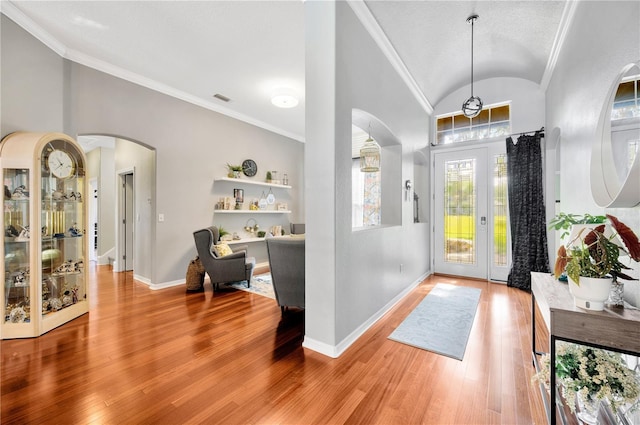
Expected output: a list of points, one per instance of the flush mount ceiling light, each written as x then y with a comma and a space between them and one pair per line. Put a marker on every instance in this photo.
472, 106
284, 98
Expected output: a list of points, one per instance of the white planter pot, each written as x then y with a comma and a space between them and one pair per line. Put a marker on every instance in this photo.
591, 293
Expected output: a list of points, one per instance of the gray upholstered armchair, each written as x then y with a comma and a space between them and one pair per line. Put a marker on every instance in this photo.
234, 267
286, 261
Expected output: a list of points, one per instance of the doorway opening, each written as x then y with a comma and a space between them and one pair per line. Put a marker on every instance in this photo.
122, 225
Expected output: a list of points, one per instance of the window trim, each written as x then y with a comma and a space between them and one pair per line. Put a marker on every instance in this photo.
471, 126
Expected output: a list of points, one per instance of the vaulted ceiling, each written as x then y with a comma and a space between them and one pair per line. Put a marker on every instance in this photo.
247, 50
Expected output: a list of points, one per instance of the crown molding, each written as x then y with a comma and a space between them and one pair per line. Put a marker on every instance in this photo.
373, 28
16, 15
107, 68
563, 29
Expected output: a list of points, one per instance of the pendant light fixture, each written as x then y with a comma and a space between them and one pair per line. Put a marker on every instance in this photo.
370, 155
472, 106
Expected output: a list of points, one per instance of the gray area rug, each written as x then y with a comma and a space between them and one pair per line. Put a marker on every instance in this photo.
442, 321
260, 285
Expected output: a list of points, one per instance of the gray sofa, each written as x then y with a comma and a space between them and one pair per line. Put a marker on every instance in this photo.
235, 267
286, 261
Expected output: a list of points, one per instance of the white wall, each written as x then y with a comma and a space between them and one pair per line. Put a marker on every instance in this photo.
33, 82
352, 277
106, 210
604, 37
100, 166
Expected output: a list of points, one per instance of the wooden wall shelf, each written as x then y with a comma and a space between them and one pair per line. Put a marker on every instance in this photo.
252, 182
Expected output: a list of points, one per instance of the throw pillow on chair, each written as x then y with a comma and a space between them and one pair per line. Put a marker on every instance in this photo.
222, 250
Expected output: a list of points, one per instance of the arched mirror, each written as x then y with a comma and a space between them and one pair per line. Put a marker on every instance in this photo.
615, 159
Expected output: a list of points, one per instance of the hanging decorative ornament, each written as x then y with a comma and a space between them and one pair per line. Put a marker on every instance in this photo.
262, 203
370, 155
472, 106
271, 198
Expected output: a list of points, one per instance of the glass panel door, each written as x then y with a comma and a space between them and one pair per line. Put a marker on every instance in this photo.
471, 226
499, 236
461, 213
17, 275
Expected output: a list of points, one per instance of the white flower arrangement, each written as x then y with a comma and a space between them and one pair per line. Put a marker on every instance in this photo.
592, 372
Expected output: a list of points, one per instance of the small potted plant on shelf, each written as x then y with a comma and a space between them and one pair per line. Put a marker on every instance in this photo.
221, 232
589, 375
592, 262
269, 178
234, 171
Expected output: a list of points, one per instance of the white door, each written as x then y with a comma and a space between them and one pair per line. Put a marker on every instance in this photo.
470, 213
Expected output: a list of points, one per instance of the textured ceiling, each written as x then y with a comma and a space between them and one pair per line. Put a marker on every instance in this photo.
245, 50
433, 39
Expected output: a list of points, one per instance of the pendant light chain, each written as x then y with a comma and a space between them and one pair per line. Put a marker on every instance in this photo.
471, 107
473, 20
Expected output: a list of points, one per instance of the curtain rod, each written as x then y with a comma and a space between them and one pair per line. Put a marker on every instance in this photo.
525, 132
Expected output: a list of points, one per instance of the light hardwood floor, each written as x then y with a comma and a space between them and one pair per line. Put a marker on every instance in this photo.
168, 357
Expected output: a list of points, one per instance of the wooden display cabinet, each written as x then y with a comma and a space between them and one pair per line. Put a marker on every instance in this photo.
44, 243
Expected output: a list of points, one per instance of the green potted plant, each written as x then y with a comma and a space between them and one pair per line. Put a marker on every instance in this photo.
221, 232
565, 222
596, 256
234, 171
589, 375
268, 177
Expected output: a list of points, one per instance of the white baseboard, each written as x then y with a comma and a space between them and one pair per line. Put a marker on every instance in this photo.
156, 286
337, 350
105, 258
164, 285
320, 347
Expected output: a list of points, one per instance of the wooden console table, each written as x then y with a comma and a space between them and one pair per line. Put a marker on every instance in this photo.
616, 329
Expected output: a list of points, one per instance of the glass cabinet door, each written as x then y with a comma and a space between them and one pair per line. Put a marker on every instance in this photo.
16, 246
62, 232
43, 244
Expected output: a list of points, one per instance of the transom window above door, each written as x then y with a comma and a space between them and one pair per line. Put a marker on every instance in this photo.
493, 121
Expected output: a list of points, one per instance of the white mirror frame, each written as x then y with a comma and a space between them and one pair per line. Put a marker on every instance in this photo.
606, 188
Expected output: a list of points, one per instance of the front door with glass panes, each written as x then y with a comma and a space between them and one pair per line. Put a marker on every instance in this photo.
470, 213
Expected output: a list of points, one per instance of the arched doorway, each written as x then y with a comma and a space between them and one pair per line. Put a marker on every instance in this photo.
123, 172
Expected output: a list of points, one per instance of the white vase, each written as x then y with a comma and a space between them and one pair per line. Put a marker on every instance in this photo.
591, 293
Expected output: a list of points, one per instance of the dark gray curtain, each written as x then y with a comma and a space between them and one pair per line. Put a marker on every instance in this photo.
526, 210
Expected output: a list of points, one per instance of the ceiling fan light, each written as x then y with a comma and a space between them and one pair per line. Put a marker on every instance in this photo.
472, 107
